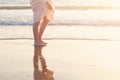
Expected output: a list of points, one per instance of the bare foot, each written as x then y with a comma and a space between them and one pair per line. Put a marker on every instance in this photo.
40, 43
43, 42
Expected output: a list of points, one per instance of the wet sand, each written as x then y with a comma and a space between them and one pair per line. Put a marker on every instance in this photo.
68, 59
72, 53
62, 32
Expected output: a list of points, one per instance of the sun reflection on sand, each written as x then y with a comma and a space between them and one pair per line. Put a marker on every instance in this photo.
40, 68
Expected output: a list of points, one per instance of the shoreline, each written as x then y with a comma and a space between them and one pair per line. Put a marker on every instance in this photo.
12, 7
60, 32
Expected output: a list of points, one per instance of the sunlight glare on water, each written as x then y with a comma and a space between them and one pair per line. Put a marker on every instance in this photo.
67, 2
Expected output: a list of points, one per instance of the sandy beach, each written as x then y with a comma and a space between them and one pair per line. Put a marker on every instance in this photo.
83, 41
75, 53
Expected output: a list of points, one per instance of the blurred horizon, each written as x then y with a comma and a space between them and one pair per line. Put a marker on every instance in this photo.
113, 3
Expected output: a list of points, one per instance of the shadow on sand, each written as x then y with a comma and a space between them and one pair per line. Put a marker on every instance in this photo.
40, 68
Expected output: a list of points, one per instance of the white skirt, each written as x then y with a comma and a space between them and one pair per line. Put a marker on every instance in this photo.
41, 9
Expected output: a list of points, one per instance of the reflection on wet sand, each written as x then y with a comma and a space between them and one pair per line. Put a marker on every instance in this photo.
41, 73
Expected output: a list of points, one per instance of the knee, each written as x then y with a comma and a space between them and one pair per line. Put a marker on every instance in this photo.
46, 19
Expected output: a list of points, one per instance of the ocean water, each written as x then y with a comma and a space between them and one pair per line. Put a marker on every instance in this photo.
90, 17
68, 12
16, 19
66, 2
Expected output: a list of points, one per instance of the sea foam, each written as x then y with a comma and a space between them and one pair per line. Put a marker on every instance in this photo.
94, 17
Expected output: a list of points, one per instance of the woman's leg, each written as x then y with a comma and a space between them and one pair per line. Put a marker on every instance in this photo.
41, 30
35, 33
